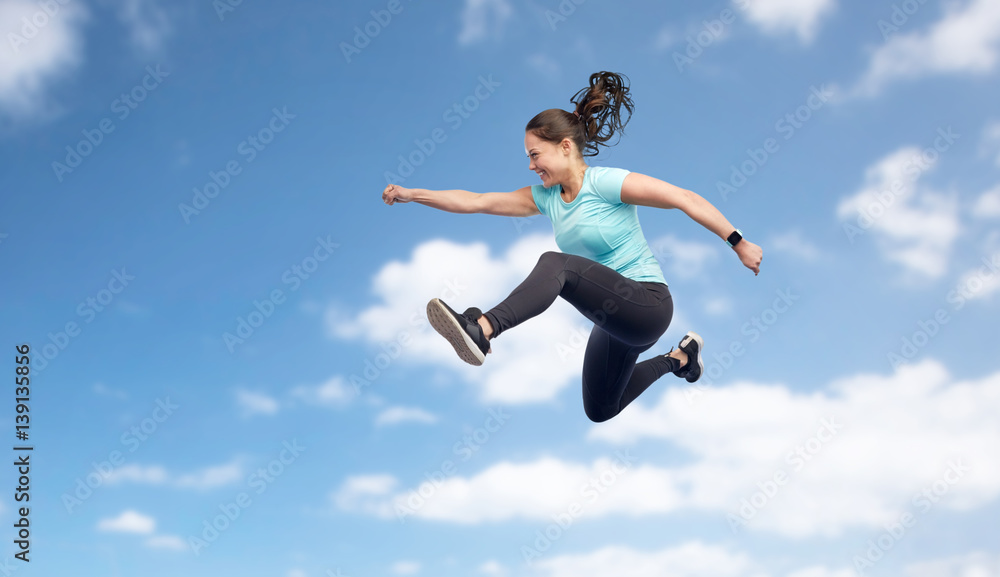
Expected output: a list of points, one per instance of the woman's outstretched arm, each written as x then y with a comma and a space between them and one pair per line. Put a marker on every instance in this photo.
460, 201
517, 203
644, 190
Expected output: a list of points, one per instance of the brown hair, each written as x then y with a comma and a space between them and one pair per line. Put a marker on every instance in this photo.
599, 106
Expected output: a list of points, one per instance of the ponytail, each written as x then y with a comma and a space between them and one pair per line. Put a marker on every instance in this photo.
595, 119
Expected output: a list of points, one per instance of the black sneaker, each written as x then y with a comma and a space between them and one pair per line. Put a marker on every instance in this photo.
691, 344
462, 330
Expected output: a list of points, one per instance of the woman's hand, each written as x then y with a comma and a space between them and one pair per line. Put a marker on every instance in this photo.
750, 254
394, 193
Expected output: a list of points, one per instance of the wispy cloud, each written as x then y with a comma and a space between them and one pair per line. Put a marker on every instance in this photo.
128, 522
965, 40
482, 20
913, 225
34, 58
147, 23
800, 17
207, 478
398, 415
168, 542
793, 244
253, 403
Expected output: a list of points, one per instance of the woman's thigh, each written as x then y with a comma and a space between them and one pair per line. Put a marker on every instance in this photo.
632, 312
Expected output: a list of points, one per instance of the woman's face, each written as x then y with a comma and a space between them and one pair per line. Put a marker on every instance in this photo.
548, 160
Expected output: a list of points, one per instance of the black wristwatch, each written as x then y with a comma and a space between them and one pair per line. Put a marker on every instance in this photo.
735, 237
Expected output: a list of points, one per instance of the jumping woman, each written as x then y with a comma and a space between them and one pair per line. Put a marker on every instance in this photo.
605, 270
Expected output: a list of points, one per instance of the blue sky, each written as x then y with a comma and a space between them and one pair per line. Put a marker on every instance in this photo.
231, 373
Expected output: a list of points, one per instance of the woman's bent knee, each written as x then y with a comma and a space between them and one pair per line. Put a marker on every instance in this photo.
598, 414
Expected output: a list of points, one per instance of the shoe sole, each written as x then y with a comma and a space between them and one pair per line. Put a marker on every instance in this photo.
693, 336
447, 326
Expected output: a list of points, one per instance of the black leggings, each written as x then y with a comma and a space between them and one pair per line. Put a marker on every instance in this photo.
629, 317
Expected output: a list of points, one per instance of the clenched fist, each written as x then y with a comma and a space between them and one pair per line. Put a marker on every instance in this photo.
395, 193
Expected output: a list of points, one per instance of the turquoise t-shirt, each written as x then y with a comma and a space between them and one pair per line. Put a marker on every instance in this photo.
599, 226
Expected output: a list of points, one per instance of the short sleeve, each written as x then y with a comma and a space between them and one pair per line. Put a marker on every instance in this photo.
607, 182
538, 194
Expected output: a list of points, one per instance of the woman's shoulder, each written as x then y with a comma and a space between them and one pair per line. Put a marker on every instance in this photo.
607, 181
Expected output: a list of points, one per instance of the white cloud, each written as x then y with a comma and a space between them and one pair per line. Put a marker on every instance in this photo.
988, 204
531, 362
335, 392
482, 19
533, 490
152, 475
913, 225
405, 568
683, 259
801, 17
364, 494
965, 40
979, 282
397, 415
794, 244
718, 305
823, 572
991, 140
546, 66
492, 567
147, 23
665, 38
102, 389
128, 522
39, 50
852, 456
171, 542
692, 559
212, 477
207, 478
256, 403
899, 434
977, 564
